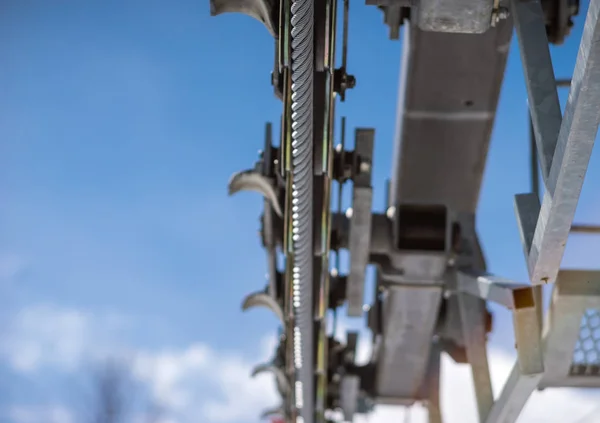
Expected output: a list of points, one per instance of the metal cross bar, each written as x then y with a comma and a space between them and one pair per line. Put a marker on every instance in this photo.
539, 78
585, 229
472, 311
502, 291
571, 157
515, 393
434, 412
529, 367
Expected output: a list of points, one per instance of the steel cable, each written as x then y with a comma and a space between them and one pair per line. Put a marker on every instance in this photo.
302, 55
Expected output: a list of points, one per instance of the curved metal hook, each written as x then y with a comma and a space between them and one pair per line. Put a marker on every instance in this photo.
262, 299
261, 10
270, 412
251, 180
283, 384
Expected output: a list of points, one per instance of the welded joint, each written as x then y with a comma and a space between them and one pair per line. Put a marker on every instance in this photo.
520, 299
512, 295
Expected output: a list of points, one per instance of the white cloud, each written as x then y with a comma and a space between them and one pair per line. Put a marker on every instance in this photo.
44, 335
200, 382
458, 396
187, 383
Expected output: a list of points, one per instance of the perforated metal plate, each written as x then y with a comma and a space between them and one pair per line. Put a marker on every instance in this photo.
586, 356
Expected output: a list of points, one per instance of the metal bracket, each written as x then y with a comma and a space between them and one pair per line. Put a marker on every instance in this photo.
360, 224
529, 368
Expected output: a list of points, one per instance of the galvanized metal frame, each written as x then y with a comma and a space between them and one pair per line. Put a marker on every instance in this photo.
564, 146
474, 290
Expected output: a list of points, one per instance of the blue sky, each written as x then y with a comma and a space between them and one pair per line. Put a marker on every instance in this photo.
121, 123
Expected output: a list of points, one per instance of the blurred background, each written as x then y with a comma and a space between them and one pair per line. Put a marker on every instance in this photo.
122, 260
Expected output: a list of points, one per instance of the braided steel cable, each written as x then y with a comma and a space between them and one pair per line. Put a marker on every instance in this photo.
302, 68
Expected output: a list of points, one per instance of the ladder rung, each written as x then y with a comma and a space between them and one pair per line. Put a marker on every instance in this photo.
585, 229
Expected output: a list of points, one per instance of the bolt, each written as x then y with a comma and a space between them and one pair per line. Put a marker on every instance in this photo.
350, 81
365, 166
390, 212
503, 13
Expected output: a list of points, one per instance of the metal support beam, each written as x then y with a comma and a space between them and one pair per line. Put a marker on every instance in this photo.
403, 354
514, 396
433, 385
349, 390
572, 151
539, 78
360, 224
529, 368
472, 316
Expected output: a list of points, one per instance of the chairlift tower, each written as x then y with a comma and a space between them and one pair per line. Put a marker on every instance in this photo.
432, 287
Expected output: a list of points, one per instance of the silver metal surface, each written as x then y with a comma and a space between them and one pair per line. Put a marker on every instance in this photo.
472, 315
527, 371
527, 210
502, 291
349, 389
431, 288
456, 16
575, 292
514, 396
571, 158
539, 78
449, 89
404, 351
360, 223
529, 368
434, 412
302, 66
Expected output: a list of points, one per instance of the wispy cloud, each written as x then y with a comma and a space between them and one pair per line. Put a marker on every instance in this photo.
46, 335
200, 382
190, 382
